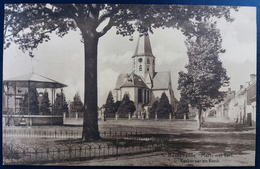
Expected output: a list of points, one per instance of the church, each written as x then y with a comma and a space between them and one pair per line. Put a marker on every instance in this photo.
144, 85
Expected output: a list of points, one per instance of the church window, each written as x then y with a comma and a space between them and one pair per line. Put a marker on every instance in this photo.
153, 61
147, 68
148, 61
145, 101
140, 68
140, 97
148, 96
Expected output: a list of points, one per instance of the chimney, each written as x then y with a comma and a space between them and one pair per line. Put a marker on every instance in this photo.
253, 77
241, 86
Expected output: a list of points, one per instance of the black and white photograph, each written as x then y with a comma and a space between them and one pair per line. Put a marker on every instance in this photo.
129, 85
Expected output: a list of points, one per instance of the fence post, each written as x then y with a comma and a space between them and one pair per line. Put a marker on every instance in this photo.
116, 147
129, 116
77, 116
70, 150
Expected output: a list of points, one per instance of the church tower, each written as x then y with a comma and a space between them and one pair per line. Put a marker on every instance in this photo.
143, 58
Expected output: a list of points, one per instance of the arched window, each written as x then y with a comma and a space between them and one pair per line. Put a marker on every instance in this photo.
148, 61
153, 61
140, 68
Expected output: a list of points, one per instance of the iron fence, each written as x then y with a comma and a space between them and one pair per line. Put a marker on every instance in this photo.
74, 134
17, 155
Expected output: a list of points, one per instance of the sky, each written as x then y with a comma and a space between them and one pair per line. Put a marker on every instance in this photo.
61, 59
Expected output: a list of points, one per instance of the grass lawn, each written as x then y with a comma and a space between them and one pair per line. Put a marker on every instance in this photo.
219, 143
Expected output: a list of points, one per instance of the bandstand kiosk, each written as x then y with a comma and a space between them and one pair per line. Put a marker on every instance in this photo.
14, 92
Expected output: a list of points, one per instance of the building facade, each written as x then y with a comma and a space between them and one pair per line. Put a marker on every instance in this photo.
144, 85
240, 106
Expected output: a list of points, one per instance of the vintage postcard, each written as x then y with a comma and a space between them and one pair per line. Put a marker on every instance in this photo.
129, 85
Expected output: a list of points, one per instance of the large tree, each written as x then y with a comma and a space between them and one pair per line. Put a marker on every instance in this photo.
28, 25
205, 73
164, 107
77, 104
45, 104
110, 105
61, 104
127, 106
32, 97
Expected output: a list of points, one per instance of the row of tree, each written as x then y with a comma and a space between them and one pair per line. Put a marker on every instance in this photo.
161, 108
122, 108
60, 103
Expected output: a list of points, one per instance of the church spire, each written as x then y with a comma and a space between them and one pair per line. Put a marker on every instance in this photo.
143, 47
143, 59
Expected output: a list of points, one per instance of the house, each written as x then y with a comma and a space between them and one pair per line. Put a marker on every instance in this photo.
241, 106
143, 84
223, 107
245, 102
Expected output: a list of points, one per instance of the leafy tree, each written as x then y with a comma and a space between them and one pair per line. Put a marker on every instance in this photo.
110, 105
76, 105
205, 73
126, 106
183, 108
33, 101
153, 109
29, 25
164, 108
61, 104
117, 105
45, 104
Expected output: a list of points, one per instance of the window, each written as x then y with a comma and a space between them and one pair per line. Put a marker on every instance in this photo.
134, 61
145, 101
140, 68
153, 61
140, 98
148, 69
148, 96
148, 61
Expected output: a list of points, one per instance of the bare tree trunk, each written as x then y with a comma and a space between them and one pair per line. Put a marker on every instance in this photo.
199, 118
90, 118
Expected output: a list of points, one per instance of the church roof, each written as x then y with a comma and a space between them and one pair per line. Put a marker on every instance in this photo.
143, 46
161, 80
121, 80
132, 80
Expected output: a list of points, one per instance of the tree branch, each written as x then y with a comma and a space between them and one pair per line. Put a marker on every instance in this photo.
106, 28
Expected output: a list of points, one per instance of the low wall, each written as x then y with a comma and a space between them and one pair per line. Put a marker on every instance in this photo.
32, 120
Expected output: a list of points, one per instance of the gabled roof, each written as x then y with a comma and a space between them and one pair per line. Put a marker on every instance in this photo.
161, 80
120, 80
39, 81
143, 46
132, 80
148, 79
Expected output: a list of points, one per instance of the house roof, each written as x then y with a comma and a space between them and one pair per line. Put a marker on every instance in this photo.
37, 80
161, 80
132, 80
143, 47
